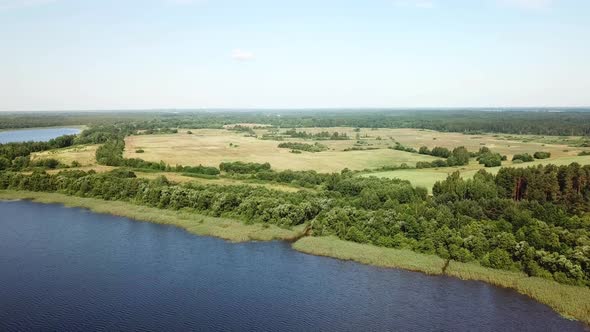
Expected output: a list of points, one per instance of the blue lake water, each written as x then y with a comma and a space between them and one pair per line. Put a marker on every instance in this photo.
68, 269
36, 134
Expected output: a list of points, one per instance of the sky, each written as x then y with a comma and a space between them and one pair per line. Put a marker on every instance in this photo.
202, 54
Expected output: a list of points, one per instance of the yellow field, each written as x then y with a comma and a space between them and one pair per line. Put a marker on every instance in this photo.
210, 147
429, 176
84, 154
505, 145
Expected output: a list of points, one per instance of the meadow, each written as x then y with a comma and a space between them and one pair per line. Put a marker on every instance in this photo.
210, 147
427, 177
366, 150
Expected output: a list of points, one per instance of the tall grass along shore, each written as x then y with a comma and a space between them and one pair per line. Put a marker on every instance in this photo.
572, 302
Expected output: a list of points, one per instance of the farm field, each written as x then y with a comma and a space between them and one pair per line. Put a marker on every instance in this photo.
84, 154
210, 147
427, 177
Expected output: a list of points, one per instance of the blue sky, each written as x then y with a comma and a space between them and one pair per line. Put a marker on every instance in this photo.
131, 54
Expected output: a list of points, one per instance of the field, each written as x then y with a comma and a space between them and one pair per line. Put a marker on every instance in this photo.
210, 147
429, 176
84, 154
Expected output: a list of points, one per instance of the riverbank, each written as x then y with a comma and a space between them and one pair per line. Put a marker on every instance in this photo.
570, 301
227, 229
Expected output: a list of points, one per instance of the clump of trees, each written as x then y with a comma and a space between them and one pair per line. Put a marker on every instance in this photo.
316, 147
542, 155
458, 157
243, 167
400, 147
523, 157
324, 135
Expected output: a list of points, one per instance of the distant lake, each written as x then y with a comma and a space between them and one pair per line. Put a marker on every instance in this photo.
35, 134
68, 269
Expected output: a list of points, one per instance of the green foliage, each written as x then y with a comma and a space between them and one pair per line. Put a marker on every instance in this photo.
542, 155
243, 167
523, 157
498, 259
490, 159
316, 147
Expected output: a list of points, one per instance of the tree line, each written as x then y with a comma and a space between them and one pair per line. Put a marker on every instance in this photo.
530, 219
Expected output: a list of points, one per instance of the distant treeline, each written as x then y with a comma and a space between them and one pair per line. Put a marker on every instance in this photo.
564, 122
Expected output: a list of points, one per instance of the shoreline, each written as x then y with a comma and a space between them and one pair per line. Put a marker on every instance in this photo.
79, 127
571, 302
198, 224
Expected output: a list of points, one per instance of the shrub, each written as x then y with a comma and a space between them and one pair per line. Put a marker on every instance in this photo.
542, 155
523, 157
490, 159
498, 259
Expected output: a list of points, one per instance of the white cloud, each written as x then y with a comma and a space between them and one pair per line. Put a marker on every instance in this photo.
528, 4
424, 4
242, 55
11, 4
185, 2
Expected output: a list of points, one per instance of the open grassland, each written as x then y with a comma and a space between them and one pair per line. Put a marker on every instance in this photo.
210, 147
222, 181
505, 145
84, 154
195, 223
569, 301
427, 177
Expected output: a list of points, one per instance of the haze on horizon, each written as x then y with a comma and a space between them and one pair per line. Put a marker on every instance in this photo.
155, 54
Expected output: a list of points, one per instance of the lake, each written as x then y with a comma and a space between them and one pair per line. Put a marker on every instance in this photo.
69, 269
35, 134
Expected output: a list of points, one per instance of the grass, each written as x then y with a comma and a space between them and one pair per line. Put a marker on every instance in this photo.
210, 147
84, 154
569, 301
228, 229
429, 176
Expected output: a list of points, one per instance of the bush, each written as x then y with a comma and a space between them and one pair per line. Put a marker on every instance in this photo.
243, 168
542, 155
498, 259
139, 151
490, 159
523, 157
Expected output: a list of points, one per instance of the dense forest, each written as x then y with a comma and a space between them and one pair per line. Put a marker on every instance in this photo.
535, 219
522, 121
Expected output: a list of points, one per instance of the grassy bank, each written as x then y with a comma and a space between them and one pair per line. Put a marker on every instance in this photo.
224, 228
569, 301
